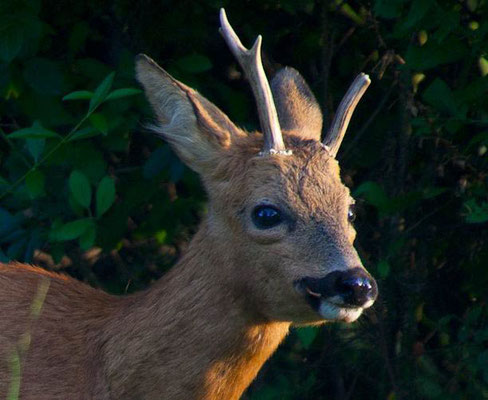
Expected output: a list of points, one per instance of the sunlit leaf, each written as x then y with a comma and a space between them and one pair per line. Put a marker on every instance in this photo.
483, 65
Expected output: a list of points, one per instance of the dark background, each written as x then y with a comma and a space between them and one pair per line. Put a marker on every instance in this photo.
86, 190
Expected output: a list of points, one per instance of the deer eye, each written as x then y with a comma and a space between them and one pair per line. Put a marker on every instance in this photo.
351, 213
265, 217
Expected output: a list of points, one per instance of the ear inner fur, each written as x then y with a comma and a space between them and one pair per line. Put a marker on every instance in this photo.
195, 128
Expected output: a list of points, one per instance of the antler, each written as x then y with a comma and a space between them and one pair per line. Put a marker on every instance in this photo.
250, 62
343, 115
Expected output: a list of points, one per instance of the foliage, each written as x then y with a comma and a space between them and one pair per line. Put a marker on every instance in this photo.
78, 173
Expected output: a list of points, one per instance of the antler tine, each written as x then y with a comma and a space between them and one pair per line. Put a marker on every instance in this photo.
250, 62
339, 125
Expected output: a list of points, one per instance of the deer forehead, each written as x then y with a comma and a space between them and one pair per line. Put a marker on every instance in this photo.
308, 182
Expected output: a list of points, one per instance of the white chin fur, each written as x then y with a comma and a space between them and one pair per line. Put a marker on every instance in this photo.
332, 312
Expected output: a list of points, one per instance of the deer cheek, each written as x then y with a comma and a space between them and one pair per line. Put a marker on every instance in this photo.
268, 236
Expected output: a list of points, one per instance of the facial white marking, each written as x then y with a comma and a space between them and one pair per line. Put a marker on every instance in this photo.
368, 304
332, 312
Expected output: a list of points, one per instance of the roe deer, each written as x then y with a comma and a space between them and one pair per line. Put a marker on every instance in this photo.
275, 248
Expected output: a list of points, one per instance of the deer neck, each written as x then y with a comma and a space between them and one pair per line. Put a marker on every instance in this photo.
202, 341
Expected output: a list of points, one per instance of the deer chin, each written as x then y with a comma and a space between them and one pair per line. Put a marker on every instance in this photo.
333, 312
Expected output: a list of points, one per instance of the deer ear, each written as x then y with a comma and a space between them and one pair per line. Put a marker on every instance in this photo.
298, 110
197, 130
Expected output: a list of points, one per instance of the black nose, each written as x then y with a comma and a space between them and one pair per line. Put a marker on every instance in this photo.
356, 287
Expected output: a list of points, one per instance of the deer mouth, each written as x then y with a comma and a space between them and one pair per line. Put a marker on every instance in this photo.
329, 306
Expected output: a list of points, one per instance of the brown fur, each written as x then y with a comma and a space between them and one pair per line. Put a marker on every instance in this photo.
205, 329
296, 105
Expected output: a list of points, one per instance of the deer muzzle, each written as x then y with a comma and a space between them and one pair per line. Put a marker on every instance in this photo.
341, 295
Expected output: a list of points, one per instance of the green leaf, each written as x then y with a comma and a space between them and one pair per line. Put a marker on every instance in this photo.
36, 131
12, 36
383, 268
450, 23
483, 65
418, 10
84, 133
161, 236
101, 92
35, 242
124, 92
105, 195
440, 95
472, 91
71, 230
80, 33
35, 183
99, 122
3, 257
156, 162
476, 213
34, 32
8, 223
79, 95
483, 360
80, 188
35, 147
16, 249
58, 251
429, 388
78, 210
87, 238
176, 170
307, 335
388, 8
194, 63
431, 192
349, 12
479, 139
433, 54
374, 194
44, 76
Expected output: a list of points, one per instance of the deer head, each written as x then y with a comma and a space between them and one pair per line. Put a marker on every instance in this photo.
278, 211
